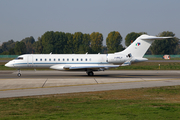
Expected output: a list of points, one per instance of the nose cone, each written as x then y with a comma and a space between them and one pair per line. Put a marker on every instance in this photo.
9, 64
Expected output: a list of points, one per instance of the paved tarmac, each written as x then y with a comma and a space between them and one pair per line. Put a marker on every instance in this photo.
57, 82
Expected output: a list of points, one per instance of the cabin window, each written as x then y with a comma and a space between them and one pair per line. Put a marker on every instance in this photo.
72, 59
36, 59
40, 59
67, 59
76, 59
89, 59
49, 59
54, 59
86, 59
44, 59
81, 59
58, 59
63, 59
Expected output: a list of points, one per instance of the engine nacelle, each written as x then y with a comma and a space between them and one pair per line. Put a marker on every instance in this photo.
115, 58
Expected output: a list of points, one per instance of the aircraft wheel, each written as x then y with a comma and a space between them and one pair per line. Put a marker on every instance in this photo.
19, 74
90, 73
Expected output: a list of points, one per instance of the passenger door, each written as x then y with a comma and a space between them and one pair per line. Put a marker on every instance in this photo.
30, 61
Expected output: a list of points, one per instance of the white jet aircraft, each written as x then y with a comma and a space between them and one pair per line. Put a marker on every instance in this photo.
86, 62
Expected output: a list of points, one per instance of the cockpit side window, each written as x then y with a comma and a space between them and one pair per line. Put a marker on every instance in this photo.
19, 58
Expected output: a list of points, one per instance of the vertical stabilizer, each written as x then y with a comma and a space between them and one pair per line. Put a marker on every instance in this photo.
139, 47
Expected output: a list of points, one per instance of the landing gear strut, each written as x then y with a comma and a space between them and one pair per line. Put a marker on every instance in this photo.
19, 74
90, 73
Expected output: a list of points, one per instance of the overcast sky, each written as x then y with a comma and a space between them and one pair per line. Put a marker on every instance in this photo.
24, 18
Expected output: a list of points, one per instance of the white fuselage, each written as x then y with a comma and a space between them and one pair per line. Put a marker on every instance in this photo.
48, 60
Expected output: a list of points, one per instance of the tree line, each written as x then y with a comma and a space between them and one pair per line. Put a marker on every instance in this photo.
79, 43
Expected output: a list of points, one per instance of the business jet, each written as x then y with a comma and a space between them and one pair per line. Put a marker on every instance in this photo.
86, 62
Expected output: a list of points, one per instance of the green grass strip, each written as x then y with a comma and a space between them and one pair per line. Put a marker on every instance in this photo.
161, 103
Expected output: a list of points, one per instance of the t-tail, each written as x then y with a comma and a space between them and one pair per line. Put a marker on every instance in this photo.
139, 47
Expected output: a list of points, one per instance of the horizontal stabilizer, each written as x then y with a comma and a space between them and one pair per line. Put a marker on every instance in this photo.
155, 38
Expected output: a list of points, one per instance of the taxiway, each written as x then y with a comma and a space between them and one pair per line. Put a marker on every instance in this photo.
58, 82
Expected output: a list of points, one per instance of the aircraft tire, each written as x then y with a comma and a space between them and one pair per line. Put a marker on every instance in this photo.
90, 73
19, 74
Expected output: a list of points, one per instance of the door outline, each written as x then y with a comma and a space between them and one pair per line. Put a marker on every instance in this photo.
30, 61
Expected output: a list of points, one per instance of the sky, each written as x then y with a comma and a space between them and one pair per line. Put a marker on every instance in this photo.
24, 18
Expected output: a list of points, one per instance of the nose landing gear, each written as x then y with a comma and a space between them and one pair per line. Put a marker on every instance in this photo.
19, 74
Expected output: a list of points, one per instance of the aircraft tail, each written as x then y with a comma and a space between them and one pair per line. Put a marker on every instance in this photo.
139, 47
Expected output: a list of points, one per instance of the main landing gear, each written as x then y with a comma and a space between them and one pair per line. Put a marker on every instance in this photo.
19, 74
90, 73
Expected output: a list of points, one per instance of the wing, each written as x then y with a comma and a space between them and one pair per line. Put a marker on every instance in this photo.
82, 67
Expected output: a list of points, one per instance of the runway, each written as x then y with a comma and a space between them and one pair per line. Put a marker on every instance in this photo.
58, 82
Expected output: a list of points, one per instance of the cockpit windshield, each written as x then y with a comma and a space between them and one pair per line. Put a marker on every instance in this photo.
19, 58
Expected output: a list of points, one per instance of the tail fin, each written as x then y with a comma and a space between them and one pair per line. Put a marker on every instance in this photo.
139, 47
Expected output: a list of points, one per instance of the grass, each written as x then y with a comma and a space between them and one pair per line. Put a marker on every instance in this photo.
163, 59
138, 104
6, 58
2, 67
151, 66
